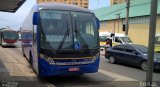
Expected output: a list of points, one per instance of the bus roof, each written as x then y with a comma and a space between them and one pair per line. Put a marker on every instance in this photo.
61, 6
25, 31
7, 30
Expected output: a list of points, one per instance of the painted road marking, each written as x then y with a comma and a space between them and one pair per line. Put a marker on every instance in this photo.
117, 77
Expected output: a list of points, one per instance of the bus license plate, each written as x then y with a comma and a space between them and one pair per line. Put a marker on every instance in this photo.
73, 69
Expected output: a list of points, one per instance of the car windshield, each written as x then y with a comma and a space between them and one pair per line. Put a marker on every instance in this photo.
126, 39
102, 38
59, 32
142, 49
12, 35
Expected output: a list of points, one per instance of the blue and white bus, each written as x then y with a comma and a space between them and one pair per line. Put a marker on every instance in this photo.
65, 40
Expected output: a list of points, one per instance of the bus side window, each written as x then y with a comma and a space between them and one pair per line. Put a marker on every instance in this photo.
89, 29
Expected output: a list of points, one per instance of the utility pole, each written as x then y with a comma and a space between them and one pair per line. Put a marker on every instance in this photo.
127, 17
151, 43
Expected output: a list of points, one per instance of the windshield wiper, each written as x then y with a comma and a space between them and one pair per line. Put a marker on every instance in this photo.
64, 38
81, 38
42, 36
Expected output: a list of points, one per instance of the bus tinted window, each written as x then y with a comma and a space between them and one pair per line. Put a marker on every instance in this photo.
10, 35
26, 35
85, 24
58, 32
55, 25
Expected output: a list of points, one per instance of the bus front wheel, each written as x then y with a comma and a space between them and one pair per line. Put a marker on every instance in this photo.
30, 59
23, 52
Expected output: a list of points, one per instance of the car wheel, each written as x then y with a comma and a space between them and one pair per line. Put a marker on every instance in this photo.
144, 65
112, 59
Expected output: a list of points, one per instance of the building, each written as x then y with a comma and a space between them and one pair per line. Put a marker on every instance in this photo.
113, 2
81, 3
113, 18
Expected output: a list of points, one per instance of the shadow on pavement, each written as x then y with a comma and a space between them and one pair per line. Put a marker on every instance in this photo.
84, 81
132, 66
9, 46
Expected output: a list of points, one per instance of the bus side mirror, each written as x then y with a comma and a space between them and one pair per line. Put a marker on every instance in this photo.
98, 23
35, 18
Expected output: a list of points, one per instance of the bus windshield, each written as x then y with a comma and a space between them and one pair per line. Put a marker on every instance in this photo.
68, 30
10, 35
26, 35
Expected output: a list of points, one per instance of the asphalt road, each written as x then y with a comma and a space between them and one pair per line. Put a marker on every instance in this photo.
126, 70
15, 67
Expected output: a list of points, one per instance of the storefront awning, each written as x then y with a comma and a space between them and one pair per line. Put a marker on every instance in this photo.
10, 5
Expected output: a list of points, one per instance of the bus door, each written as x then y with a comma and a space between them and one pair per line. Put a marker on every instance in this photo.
35, 50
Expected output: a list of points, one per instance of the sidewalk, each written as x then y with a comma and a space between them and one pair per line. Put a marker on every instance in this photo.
102, 53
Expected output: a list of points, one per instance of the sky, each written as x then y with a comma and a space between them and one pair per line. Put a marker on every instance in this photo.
93, 4
15, 20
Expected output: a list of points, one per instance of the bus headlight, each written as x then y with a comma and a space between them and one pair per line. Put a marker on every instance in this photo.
95, 57
4, 43
48, 59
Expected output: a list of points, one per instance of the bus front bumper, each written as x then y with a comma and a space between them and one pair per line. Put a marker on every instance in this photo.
8, 44
46, 69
